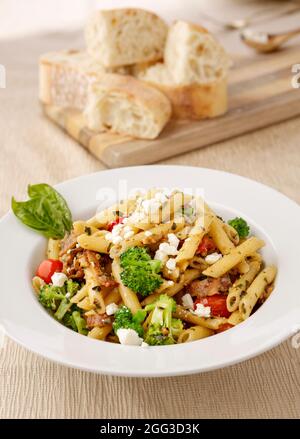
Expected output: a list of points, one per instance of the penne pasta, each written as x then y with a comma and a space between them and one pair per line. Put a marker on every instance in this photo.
194, 333
235, 256
191, 244
100, 333
210, 323
53, 249
256, 289
128, 296
240, 286
95, 242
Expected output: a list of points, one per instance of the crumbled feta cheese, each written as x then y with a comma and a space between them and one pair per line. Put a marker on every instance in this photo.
68, 295
212, 258
129, 234
144, 344
202, 311
173, 240
170, 250
127, 229
108, 236
170, 283
125, 221
58, 279
161, 256
111, 309
129, 337
148, 233
187, 301
117, 229
171, 264
117, 239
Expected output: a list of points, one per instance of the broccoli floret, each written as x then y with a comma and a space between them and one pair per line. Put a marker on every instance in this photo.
69, 321
163, 328
51, 296
241, 226
140, 272
79, 322
54, 298
125, 319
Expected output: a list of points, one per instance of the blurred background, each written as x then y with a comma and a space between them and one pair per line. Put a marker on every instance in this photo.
21, 17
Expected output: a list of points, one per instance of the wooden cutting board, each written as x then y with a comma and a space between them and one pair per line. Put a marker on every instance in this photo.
260, 94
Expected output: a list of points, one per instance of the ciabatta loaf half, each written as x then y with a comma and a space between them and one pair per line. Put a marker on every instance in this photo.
121, 37
194, 72
65, 76
192, 101
125, 105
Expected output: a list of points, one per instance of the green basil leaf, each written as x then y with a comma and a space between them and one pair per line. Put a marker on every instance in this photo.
46, 211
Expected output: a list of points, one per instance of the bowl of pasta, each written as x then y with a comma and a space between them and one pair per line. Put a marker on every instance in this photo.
151, 270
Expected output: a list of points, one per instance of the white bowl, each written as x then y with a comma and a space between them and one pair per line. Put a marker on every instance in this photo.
271, 215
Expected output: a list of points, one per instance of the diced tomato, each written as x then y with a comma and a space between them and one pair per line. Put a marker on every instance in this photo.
217, 304
111, 225
224, 327
47, 268
206, 246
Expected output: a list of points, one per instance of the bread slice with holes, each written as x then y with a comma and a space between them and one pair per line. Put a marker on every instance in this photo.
125, 105
190, 101
193, 55
64, 77
120, 37
194, 73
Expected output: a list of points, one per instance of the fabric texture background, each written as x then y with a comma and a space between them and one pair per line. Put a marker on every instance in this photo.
33, 150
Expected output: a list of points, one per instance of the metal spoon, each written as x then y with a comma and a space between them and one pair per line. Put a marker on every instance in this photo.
264, 42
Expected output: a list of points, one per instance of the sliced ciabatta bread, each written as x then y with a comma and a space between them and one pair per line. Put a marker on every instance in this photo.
125, 105
192, 101
193, 75
64, 77
193, 55
121, 37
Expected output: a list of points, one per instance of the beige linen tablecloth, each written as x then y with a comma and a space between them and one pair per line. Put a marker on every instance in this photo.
33, 150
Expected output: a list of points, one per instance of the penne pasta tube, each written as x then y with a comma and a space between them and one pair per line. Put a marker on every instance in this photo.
240, 286
256, 289
53, 248
220, 237
37, 284
233, 258
187, 316
191, 244
235, 318
112, 297
194, 333
100, 333
81, 227
231, 233
224, 244
128, 296
123, 208
95, 242
81, 294
86, 304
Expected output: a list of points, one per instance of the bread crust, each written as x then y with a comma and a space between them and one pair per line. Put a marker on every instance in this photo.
143, 40
154, 104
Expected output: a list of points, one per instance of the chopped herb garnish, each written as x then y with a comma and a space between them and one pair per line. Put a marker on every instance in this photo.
88, 231
174, 225
241, 226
